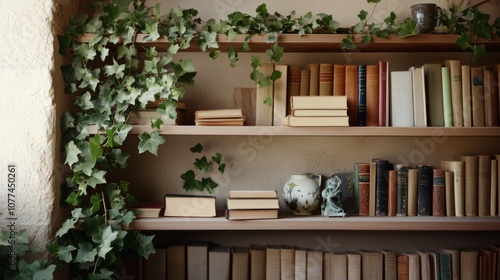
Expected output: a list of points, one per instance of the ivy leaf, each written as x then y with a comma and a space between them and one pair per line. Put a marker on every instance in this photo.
209, 184
232, 55
275, 52
268, 101
104, 53
85, 51
145, 245
116, 69
73, 199
214, 54
41, 270
198, 148
128, 217
464, 41
95, 146
167, 109
72, 153
152, 30
362, 15
64, 42
366, 38
156, 123
86, 253
150, 142
95, 200
118, 159
275, 75
348, 43
190, 182
203, 164
96, 178
408, 28
108, 236
64, 253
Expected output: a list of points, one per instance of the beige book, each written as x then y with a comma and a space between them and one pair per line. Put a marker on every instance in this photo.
413, 266
257, 262
477, 93
458, 169
176, 261
390, 265
491, 100
449, 193
316, 121
425, 268
244, 99
178, 205
318, 102
219, 263
328, 265
483, 185
372, 265
287, 258
466, 96
339, 79
314, 265
456, 91
304, 82
471, 183
469, 264
218, 114
412, 192
197, 260
263, 111
494, 188
325, 79
253, 203
353, 266
273, 262
419, 100
154, 265
280, 101
339, 266
240, 263
293, 85
319, 112
252, 194
300, 264
314, 79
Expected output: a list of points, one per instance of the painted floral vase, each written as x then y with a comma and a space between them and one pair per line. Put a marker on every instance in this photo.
301, 193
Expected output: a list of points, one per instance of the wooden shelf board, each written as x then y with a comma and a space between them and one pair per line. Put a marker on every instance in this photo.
323, 223
319, 131
330, 43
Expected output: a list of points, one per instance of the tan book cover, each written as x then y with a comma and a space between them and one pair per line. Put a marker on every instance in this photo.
372, 98
273, 262
494, 188
413, 266
471, 183
401, 105
339, 79
339, 266
280, 101
466, 96
252, 194
176, 261
483, 185
469, 264
253, 203
419, 100
240, 263
438, 192
372, 265
449, 185
316, 121
293, 87
383, 93
434, 92
287, 258
300, 264
257, 262
325, 79
319, 112
219, 263
390, 265
477, 93
218, 114
318, 102
263, 111
154, 265
314, 265
328, 265
490, 98
189, 206
456, 90
392, 193
304, 82
244, 99
251, 214
412, 192
353, 265
220, 122
425, 268
314, 79
458, 169
197, 260
351, 91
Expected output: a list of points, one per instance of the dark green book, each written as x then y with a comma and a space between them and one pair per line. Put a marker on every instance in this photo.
402, 189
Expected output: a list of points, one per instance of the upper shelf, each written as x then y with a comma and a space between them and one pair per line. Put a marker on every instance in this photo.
332, 43
319, 131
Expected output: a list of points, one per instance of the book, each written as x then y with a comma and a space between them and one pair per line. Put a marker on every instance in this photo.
273, 262
466, 96
316, 121
392, 183
401, 99
363, 188
339, 266
477, 93
314, 265
313, 79
304, 82
351, 92
372, 263
372, 189
390, 265
402, 189
469, 264
445, 271
181, 205
280, 100
438, 192
176, 261
257, 262
328, 265
372, 97
483, 185
218, 114
197, 260
319, 112
318, 102
219, 262
353, 265
470, 182
425, 269
338, 79
458, 169
447, 106
494, 188
300, 264
497, 157
382, 187
252, 194
240, 263
252, 203
221, 122
419, 102
456, 90
449, 186
325, 79
424, 200
413, 266
293, 84
154, 265
287, 259
251, 214
263, 111
490, 98
383, 93
361, 95
146, 209
244, 99
412, 209
455, 261
434, 94
403, 267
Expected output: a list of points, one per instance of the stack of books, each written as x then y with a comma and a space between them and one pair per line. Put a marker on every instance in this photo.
219, 117
318, 111
249, 205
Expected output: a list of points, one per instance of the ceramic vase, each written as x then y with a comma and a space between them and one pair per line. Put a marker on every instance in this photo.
301, 193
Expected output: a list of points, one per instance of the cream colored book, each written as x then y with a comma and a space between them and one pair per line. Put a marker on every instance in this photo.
314, 79
280, 101
458, 169
257, 262
218, 114
287, 259
300, 264
273, 262
240, 263
252, 194
219, 263
319, 112
456, 90
316, 121
180, 205
314, 265
253, 203
494, 188
318, 102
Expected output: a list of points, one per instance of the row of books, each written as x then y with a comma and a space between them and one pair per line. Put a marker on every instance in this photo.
204, 260
467, 185
318, 111
447, 94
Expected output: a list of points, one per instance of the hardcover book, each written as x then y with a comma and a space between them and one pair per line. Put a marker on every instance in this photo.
402, 189
314, 265
458, 169
419, 102
372, 96
252, 203
361, 95
304, 82
273, 262
293, 87
392, 183
438, 192
252, 194
351, 92
382, 187
466, 96
483, 185
325, 79
154, 265
240, 263
447, 107
412, 192
251, 214
280, 101
181, 205
372, 265
316, 121
470, 182
401, 99
197, 260
425, 181
219, 263
287, 258
434, 94
176, 261
300, 264
363, 188
318, 102
456, 90
257, 262
477, 85
314, 79
218, 114
339, 79
383, 93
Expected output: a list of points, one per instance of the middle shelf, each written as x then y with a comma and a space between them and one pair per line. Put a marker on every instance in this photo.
309, 223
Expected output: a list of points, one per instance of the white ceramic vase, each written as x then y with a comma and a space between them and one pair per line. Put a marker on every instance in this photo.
301, 194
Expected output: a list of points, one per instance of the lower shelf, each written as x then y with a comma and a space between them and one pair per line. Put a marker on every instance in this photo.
322, 223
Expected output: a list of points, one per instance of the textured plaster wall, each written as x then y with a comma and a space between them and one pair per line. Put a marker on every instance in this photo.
29, 136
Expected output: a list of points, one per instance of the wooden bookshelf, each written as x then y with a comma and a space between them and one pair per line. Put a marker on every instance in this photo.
318, 131
331, 43
309, 223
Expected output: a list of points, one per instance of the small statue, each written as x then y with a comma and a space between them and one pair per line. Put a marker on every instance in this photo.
332, 198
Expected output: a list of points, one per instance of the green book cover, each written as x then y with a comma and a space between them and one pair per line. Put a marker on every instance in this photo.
448, 114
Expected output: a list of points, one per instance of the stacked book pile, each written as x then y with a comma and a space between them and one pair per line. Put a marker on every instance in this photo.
318, 111
255, 204
219, 117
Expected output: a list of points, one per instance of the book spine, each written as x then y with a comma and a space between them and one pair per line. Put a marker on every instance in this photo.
304, 82
373, 188
372, 96
412, 192
470, 184
449, 193
280, 102
424, 200
483, 184
434, 94
382, 188
383, 88
392, 193
338, 79
356, 188
351, 91
477, 93
456, 91
494, 188
293, 88
363, 188
314, 79
466, 96
361, 95
447, 110
438, 193
402, 189
325, 79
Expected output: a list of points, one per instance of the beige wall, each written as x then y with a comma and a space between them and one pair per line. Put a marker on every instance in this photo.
32, 103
